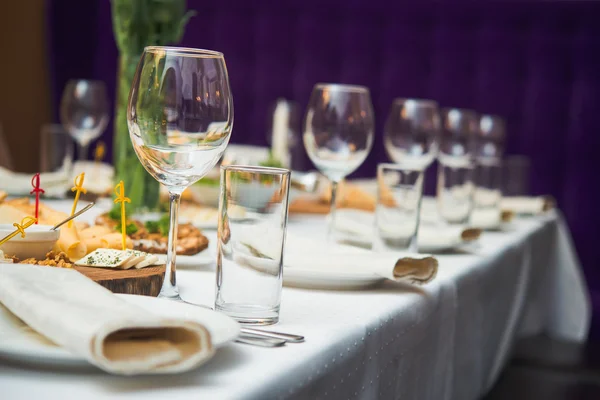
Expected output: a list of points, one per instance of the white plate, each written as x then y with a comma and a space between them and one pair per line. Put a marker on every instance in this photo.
323, 279
20, 343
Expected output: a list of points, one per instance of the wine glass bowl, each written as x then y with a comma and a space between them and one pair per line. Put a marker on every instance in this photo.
84, 112
338, 128
180, 113
180, 116
411, 132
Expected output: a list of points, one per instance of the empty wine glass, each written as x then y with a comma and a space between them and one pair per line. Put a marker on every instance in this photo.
180, 116
84, 112
338, 132
411, 132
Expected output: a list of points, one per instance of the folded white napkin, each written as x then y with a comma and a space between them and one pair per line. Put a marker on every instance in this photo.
357, 227
55, 184
83, 317
527, 205
98, 179
310, 254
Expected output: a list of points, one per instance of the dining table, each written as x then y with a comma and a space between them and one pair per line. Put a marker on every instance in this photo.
447, 339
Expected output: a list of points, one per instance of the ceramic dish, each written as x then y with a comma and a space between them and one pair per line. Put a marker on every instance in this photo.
38, 241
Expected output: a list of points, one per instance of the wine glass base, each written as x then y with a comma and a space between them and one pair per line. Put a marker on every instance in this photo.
170, 294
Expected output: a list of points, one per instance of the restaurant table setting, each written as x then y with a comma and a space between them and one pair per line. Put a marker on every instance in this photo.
262, 282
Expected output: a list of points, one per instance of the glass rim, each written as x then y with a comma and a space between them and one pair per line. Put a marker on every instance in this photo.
466, 111
419, 102
399, 167
184, 51
255, 169
94, 82
343, 87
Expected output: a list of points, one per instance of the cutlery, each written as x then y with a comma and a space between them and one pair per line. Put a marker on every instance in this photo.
276, 335
272, 339
77, 214
260, 341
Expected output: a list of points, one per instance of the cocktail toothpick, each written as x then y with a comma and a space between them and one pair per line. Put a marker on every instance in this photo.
35, 182
99, 152
120, 192
25, 223
78, 189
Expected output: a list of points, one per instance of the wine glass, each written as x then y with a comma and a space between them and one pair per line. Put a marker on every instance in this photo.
338, 133
84, 112
411, 132
180, 116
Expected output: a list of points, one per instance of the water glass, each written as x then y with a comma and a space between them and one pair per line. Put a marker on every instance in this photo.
397, 214
488, 185
455, 191
56, 149
515, 176
253, 209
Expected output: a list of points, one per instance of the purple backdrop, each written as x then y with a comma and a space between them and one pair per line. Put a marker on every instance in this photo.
536, 63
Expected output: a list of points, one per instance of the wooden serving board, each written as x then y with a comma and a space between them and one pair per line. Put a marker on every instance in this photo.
145, 281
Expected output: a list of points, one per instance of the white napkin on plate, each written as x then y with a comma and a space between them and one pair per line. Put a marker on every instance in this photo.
258, 252
85, 318
527, 205
55, 184
357, 227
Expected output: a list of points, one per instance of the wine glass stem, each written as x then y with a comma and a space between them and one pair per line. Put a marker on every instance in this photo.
332, 211
83, 152
169, 287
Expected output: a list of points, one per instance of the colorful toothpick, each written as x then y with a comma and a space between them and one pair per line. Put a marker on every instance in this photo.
35, 182
78, 189
99, 152
25, 223
120, 192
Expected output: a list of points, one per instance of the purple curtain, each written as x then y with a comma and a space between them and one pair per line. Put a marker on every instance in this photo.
535, 63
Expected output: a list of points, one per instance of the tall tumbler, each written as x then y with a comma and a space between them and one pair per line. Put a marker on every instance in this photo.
397, 214
253, 209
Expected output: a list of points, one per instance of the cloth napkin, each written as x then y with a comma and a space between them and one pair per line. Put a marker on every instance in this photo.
83, 317
357, 227
258, 251
527, 205
55, 184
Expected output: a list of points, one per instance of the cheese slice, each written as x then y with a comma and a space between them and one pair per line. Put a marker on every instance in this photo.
137, 257
150, 260
122, 259
105, 258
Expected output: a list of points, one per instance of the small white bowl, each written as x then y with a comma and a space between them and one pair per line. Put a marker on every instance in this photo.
38, 241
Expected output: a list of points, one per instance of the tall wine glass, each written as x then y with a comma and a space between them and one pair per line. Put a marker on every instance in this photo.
338, 133
411, 132
84, 112
180, 116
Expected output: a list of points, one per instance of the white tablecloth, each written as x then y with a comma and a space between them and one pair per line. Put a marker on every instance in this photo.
447, 340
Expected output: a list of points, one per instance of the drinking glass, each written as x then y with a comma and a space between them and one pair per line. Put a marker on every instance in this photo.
455, 187
411, 132
338, 133
56, 149
516, 175
5, 157
84, 112
398, 209
180, 116
489, 143
488, 185
253, 210
283, 131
